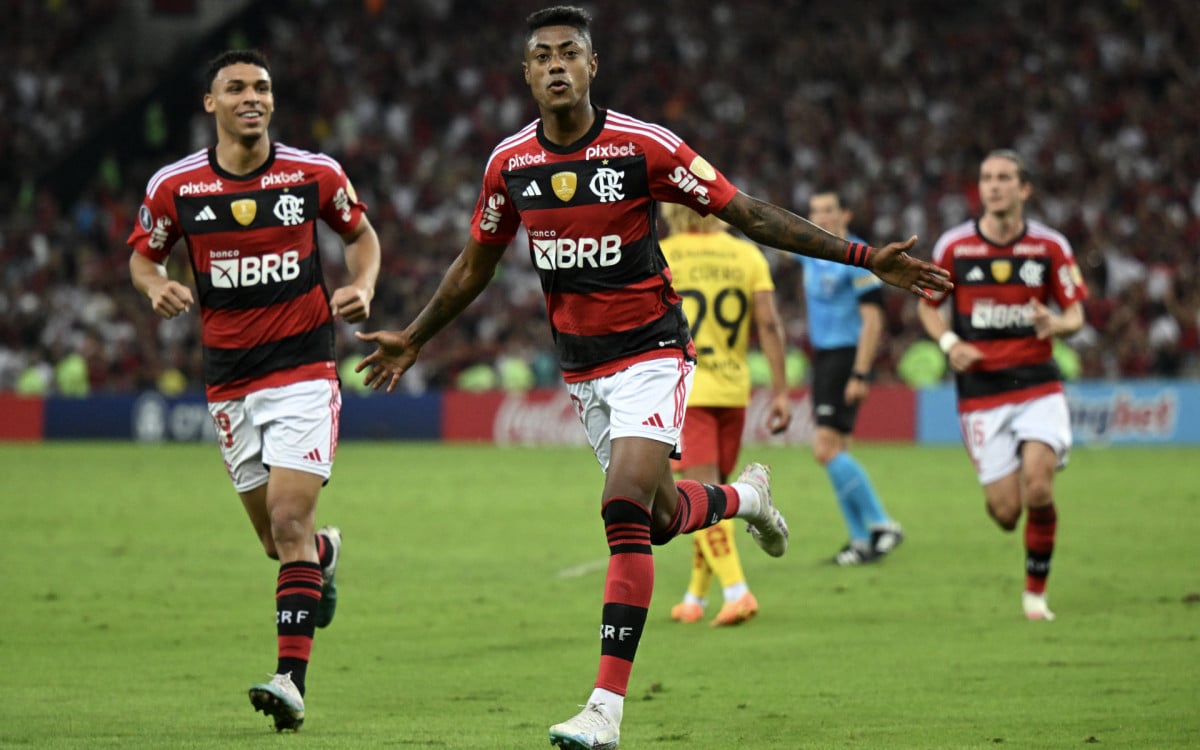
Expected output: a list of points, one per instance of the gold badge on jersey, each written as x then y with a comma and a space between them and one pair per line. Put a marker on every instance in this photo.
703, 169
244, 211
564, 185
1001, 270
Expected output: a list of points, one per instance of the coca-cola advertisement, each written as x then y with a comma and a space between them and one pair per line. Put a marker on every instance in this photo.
546, 417
538, 417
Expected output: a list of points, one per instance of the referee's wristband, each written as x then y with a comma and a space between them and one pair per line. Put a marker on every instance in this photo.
857, 254
863, 376
947, 341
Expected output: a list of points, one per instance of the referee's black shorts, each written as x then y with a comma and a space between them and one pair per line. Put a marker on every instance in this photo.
830, 373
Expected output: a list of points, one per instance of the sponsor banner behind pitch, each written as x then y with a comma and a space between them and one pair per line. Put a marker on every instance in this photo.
1143, 412
547, 417
152, 417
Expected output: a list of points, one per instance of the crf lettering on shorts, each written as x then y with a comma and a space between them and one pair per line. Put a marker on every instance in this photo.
564, 253
989, 314
613, 633
255, 270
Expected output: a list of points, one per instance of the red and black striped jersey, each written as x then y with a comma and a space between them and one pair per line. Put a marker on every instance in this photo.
252, 243
994, 286
589, 210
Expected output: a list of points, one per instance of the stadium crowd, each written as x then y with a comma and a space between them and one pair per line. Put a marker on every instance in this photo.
893, 108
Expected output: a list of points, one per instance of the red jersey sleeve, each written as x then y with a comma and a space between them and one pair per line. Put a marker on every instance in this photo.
341, 208
157, 227
683, 176
943, 258
1066, 283
496, 219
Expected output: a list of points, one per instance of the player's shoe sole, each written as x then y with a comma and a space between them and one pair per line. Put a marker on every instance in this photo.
852, 555
1035, 607
687, 612
886, 539
742, 609
590, 729
768, 528
281, 700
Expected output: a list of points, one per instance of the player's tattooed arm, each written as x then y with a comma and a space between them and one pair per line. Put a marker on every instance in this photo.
768, 224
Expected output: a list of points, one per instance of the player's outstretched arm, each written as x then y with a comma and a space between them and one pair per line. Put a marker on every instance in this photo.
771, 225
396, 351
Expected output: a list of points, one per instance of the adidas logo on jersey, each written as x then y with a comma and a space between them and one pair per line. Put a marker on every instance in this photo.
532, 191
975, 274
207, 214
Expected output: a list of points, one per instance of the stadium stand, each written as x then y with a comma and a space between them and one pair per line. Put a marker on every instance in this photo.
1104, 99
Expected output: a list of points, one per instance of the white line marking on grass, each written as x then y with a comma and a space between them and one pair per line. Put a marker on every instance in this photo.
582, 569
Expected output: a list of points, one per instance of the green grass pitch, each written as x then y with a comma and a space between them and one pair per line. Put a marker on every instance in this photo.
138, 608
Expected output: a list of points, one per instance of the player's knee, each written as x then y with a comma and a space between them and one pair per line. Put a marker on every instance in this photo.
1039, 490
1005, 516
824, 453
621, 511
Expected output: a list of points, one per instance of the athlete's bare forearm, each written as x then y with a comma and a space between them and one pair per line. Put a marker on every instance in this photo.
771, 225
465, 279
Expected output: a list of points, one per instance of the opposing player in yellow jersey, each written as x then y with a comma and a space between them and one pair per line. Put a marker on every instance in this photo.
725, 282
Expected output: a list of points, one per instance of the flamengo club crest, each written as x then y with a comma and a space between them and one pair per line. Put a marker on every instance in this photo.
564, 185
1001, 270
244, 211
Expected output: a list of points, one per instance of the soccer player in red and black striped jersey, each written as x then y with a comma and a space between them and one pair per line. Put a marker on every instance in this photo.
247, 211
584, 181
1010, 275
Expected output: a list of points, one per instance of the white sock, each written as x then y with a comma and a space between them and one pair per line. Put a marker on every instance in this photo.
614, 705
735, 591
749, 503
690, 598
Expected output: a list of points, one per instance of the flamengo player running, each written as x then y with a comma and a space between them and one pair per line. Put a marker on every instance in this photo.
584, 181
247, 210
1012, 409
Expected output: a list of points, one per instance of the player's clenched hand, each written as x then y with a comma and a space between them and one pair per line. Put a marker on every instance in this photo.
351, 303
1044, 321
170, 299
779, 418
894, 265
393, 355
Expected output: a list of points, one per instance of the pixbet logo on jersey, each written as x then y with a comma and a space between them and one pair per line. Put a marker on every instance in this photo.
281, 178
201, 188
254, 270
561, 254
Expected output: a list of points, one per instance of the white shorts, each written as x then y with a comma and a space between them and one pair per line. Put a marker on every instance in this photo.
293, 426
647, 399
993, 437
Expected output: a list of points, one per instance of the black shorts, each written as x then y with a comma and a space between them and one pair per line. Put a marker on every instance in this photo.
831, 371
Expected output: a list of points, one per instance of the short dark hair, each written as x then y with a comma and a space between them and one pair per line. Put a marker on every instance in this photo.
233, 57
562, 15
829, 190
1023, 174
